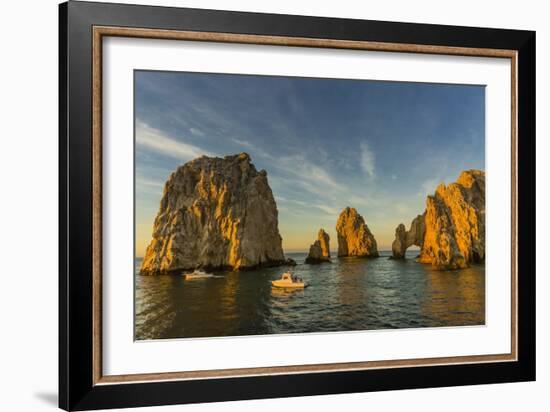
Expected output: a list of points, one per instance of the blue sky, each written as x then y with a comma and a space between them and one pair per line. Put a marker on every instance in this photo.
380, 147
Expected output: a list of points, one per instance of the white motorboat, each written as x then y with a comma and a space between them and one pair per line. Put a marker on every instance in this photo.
289, 281
197, 274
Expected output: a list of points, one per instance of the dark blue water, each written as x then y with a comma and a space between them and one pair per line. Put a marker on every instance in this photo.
348, 294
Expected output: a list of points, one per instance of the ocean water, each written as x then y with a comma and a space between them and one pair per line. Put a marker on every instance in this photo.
348, 294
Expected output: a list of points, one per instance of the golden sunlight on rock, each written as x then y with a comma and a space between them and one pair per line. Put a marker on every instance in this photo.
451, 232
354, 236
319, 251
215, 213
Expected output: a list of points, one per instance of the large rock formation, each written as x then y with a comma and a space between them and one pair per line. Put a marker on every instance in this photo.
454, 223
354, 236
319, 251
215, 213
404, 239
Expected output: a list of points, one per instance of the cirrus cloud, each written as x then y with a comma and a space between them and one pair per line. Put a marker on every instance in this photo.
160, 142
367, 159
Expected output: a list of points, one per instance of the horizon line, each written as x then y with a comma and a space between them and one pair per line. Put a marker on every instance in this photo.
306, 251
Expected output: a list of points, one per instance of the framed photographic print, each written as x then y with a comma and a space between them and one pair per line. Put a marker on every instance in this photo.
257, 205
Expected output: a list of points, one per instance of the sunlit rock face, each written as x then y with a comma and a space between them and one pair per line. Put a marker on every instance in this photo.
215, 213
454, 223
319, 251
354, 236
404, 239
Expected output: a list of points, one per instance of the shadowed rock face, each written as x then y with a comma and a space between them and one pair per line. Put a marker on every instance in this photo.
319, 251
404, 239
215, 213
454, 223
354, 236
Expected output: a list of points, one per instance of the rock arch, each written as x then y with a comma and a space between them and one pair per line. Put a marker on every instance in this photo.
451, 232
406, 238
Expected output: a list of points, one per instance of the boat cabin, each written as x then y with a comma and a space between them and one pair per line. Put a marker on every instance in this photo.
287, 276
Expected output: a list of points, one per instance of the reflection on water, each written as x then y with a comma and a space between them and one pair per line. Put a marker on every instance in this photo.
348, 294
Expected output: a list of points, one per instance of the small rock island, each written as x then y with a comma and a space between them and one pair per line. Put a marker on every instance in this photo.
215, 213
354, 237
451, 232
319, 251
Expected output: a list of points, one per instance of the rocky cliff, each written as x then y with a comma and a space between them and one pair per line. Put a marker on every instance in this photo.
319, 251
454, 221
406, 238
215, 213
354, 236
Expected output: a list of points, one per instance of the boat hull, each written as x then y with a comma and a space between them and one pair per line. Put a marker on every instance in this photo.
191, 277
288, 285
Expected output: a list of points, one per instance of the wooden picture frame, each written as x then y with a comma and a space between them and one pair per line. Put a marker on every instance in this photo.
83, 26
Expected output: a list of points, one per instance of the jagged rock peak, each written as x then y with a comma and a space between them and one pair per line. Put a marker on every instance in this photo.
215, 213
354, 236
319, 251
453, 225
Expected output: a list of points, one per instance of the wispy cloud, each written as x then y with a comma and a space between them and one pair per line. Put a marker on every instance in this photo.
243, 143
295, 202
329, 210
323, 191
196, 132
149, 186
158, 141
309, 173
403, 208
300, 207
367, 159
358, 200
253, 149
148, 182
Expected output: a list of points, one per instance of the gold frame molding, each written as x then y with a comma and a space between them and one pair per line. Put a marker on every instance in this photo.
102, 31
